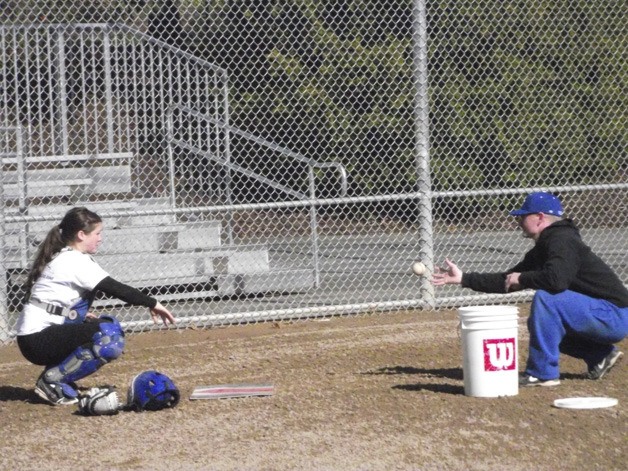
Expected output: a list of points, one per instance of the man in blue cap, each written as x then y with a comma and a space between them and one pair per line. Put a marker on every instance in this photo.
580, 307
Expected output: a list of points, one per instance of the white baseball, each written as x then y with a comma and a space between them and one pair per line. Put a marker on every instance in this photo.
419, 268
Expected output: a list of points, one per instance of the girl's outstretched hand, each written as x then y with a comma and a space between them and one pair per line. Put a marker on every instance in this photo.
160, 311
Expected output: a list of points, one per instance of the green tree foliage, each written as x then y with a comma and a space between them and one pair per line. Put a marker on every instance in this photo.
521, 93
526, 93
329, 80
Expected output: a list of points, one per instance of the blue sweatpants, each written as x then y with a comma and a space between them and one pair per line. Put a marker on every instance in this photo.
574, 324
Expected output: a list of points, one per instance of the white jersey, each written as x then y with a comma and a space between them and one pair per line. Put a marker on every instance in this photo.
69, 276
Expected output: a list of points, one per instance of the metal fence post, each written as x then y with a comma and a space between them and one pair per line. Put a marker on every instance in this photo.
224, 86
61, 142
108, 90
422, 149
170, 138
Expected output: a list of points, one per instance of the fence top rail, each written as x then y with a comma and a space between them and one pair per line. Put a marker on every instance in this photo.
521, 190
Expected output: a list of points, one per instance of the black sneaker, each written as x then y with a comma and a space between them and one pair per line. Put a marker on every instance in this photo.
59, 394
527, 381
598, 371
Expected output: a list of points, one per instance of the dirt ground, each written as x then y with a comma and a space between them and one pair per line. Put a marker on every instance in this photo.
378, 392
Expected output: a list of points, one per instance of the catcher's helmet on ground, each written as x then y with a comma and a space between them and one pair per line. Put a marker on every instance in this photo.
151, 390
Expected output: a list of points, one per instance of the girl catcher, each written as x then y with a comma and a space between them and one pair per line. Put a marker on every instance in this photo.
55, 328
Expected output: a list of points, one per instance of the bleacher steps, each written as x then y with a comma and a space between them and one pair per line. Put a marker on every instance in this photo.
170, 258
194, 236
66, 180
135, 268
54, 213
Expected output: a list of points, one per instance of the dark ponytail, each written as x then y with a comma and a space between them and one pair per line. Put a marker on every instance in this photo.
74, 221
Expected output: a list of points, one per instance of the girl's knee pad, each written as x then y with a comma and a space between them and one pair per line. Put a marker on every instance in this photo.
109, 341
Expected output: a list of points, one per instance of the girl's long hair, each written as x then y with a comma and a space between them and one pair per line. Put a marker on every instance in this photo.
74, 221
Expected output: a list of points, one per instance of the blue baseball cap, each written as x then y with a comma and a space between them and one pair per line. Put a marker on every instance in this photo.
540, 202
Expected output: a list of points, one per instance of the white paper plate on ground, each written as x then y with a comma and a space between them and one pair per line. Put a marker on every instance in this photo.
585, 402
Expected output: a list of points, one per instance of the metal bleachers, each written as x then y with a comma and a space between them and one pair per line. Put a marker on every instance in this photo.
66, 175
146, 142
141, 246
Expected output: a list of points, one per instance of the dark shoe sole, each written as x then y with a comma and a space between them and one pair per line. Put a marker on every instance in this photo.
612, 363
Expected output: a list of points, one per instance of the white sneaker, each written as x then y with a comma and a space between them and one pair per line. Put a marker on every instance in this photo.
529, 381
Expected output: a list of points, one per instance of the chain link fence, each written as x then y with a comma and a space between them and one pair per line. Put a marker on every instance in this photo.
258, 160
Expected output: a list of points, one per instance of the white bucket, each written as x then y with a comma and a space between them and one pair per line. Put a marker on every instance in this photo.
490, 350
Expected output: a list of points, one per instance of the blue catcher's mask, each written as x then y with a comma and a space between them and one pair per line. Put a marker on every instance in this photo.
152, 390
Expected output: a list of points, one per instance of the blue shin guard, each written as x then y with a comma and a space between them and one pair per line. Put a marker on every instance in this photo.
54, 383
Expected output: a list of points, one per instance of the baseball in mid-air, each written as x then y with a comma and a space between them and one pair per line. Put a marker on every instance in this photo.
419, 268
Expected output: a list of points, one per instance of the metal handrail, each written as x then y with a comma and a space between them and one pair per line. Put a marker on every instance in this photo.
164, 45
312, 163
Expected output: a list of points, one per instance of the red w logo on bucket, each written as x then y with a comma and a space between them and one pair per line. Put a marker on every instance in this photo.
499, 354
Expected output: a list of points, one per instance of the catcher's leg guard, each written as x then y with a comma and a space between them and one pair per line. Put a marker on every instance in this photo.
53, 384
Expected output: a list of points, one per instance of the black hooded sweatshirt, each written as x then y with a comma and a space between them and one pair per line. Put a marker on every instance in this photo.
559, 261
